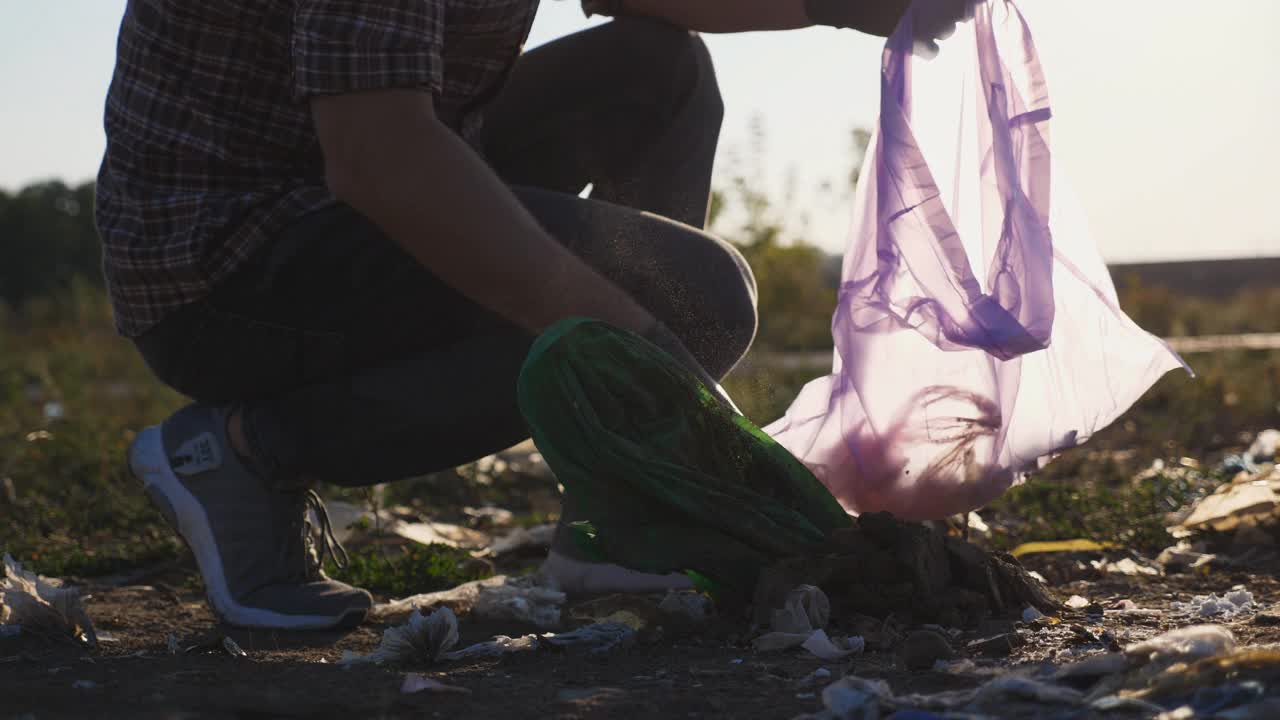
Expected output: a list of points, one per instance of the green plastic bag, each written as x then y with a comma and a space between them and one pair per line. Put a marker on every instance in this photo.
666, 478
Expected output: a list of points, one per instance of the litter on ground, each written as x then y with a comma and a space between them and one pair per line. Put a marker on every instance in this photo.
417, 683
422, 638
801, 623
1231, 603
497, 647
496, 598
1188, 643
42, 605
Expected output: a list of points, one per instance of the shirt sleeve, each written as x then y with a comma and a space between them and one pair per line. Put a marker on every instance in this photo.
341, 46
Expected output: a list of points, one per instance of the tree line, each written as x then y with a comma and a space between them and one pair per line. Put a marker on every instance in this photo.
47, 242
49, 245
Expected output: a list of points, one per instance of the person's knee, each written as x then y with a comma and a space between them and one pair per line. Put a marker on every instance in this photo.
674, 57
710, 86
740, 315
726, 304
691, 58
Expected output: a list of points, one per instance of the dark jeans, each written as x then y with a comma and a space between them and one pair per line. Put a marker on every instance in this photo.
356, 365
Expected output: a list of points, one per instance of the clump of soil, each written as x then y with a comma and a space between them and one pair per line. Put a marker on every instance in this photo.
883, 566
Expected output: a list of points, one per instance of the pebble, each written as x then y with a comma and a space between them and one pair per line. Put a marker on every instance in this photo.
921, 649
820, 675
1268, 617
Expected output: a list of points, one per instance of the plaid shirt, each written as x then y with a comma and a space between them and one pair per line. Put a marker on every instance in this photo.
210, 145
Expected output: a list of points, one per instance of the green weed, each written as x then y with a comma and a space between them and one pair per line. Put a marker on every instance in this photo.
408, 570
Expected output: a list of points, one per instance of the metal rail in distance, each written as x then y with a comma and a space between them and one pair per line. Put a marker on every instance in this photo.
819, 361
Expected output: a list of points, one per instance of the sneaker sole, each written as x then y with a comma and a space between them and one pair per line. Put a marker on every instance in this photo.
187, 517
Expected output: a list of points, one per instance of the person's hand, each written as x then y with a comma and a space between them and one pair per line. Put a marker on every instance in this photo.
935, 19
665, 340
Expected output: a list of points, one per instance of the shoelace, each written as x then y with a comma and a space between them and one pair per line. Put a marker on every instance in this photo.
328, 544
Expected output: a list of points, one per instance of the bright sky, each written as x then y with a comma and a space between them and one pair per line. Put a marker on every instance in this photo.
1165, 113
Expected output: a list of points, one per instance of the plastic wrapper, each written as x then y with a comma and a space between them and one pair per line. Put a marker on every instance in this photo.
800, 624
806, 609
422, 638
497, 598
595, 639
1184, 644
497, 647
41, 604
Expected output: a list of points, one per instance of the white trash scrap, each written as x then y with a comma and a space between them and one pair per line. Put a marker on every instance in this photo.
1265, 447
344, 516
800, 624
416, 683
866, 699
500, 645
39, 603
1252, 501
497, 598
1228, 605
424, 638
855, 698
431, 638
1184, 644
522, 600
596, 639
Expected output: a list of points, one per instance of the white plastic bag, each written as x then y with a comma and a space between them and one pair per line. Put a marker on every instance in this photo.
977, 329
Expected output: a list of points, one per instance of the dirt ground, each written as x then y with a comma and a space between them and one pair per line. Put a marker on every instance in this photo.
712, 674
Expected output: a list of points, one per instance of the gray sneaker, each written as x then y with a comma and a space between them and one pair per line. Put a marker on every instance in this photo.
254, 545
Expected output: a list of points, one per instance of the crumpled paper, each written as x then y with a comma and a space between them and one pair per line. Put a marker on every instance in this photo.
343, 516
40, 603
523, 600
857, 698
800, 623
497, 598
1184, 644
833, 648
1228, 605
432, 638
424, 638
499, 645
595, 639
806, 609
